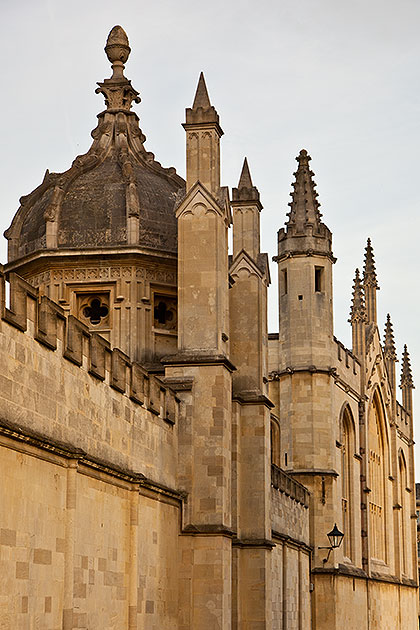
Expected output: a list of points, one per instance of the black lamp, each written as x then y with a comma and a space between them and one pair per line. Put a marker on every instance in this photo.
336, 538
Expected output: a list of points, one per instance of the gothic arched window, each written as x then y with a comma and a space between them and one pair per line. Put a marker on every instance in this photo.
377, 466
404, 520
347, 451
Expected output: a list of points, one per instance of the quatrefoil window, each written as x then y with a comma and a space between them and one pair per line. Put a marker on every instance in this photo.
96, 311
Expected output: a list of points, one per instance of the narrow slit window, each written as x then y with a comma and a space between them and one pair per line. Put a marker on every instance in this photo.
319, 279
284, 281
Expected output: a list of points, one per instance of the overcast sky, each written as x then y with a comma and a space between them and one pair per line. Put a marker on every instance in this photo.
338, 78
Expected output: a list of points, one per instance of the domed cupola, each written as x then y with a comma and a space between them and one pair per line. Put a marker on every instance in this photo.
101, 238
115, 195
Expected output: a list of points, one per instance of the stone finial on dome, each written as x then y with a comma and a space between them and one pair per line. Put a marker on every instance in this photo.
118, 91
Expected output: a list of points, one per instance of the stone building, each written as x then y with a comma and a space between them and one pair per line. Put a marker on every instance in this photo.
166, 463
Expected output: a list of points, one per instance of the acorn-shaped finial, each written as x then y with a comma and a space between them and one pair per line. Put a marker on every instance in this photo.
117, 50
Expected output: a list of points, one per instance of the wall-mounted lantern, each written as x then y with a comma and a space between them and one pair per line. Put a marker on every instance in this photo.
336, 538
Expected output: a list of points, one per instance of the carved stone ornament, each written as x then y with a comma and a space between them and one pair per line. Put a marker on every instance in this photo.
118, 91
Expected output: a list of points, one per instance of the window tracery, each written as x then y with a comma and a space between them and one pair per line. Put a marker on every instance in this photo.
93, 309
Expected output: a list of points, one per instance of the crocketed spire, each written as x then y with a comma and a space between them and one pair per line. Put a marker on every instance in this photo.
304, 207
358, 310
389, 343
406, 374
369, 271
304, 233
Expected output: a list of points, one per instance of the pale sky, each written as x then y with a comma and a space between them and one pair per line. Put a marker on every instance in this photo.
338, 78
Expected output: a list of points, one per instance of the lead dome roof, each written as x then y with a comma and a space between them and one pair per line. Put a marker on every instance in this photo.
115, 195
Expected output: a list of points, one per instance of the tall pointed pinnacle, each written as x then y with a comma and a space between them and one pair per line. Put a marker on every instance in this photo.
369, 271
357, 310
370, 283
246, 191
304, 207
358, 317
390, 353
406, 374
246, 207
118, 91
245, 180
201, 96
407, 384
203, 133
202, 110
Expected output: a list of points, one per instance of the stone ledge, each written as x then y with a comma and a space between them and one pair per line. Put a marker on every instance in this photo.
253, 543
252, 398
208, 530
198, 359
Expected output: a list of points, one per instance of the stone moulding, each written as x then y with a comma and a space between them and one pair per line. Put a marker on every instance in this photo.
28, 311
68, 452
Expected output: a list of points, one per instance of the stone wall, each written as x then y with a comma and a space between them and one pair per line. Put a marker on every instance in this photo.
112, 409
290, 558
90, 518
77, 541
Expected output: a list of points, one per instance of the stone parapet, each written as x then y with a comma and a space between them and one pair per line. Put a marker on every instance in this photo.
283, 482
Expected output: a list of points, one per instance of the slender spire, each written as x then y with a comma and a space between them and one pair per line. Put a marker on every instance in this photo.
202, 110
369, 271
245, 180
304, 207
203, 141
246, 191
118, 91
389, 343
246, 207
357, 310
201, 95
406, 374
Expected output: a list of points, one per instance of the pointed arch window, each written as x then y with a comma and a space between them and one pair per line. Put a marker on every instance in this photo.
377, 466
404, 518
347, 450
